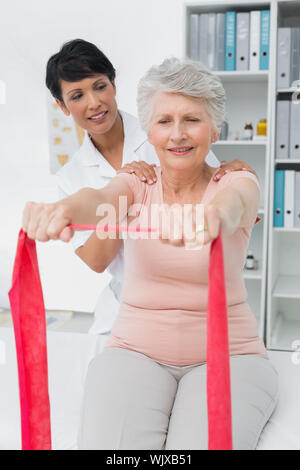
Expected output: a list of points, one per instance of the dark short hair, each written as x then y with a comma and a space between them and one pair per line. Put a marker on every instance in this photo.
76, 60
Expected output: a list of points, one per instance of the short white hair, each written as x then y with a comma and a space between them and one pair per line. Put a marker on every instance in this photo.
187, 77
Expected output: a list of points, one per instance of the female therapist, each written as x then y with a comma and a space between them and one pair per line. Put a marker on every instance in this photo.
82, 80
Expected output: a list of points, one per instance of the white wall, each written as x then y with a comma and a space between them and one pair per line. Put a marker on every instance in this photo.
134, 34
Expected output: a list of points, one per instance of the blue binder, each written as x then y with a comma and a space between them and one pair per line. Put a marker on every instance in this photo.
279, 198
264, 39
230, 40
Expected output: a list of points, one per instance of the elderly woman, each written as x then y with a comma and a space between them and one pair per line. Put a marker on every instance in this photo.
82, 80
147, 389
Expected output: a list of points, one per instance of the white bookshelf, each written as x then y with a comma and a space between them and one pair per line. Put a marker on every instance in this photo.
250, 143
288, 162
282, 229
283, 299
249, 99
274, 289
243, 76
288, 90
257, 274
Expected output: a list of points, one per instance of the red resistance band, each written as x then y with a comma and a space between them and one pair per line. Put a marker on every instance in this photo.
28, 312
217, 354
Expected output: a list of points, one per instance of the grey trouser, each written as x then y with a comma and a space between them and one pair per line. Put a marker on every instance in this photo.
133, 402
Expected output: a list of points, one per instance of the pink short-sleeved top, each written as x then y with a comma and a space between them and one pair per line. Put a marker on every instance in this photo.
164, 296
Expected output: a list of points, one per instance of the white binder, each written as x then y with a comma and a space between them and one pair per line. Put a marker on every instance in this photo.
282, 129
220, 41
194, 43
298, 74
242, 41
289, 199
295, 54
283, 57
203, 31
295, 129
211, 41
254, 40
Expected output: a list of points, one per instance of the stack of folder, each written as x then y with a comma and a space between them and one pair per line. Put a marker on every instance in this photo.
288, 56
287, 199
288, 129
231, 40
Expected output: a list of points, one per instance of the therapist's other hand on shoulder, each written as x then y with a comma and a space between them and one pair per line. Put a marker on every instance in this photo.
234, 165
44, 222
143, 171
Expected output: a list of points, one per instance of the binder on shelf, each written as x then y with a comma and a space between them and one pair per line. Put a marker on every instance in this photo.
278, 219
194, 43
211, 41
220, 41
282, 129
294, 129
230, 40
289, 198
264, 39
298, 78
284, 57
297, 200
254, 40
242, 41
295, 53
203, 33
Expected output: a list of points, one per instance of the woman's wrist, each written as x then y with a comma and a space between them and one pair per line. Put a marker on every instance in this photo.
81, 207
230, 207
229, 218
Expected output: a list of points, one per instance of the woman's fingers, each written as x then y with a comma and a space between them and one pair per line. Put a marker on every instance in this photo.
34, 220
235, 165
164, 228
58, 222
26, 215
238, 165
170, 226
205, 233
128, 168
46, 221
184, 229
41, 233
212, 222
66, 234
223, 170
189, 227
143, 171
176, 227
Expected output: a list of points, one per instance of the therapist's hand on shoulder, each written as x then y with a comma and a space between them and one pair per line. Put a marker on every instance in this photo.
143, 171
234, 165
44, 222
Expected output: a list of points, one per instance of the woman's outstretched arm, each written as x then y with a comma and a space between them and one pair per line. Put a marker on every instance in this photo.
45, 222
234, 206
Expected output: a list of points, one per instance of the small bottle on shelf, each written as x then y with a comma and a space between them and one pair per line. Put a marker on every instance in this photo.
249, 260
248, 131
261, 134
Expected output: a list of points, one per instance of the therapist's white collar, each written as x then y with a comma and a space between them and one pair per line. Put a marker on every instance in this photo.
134, 137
